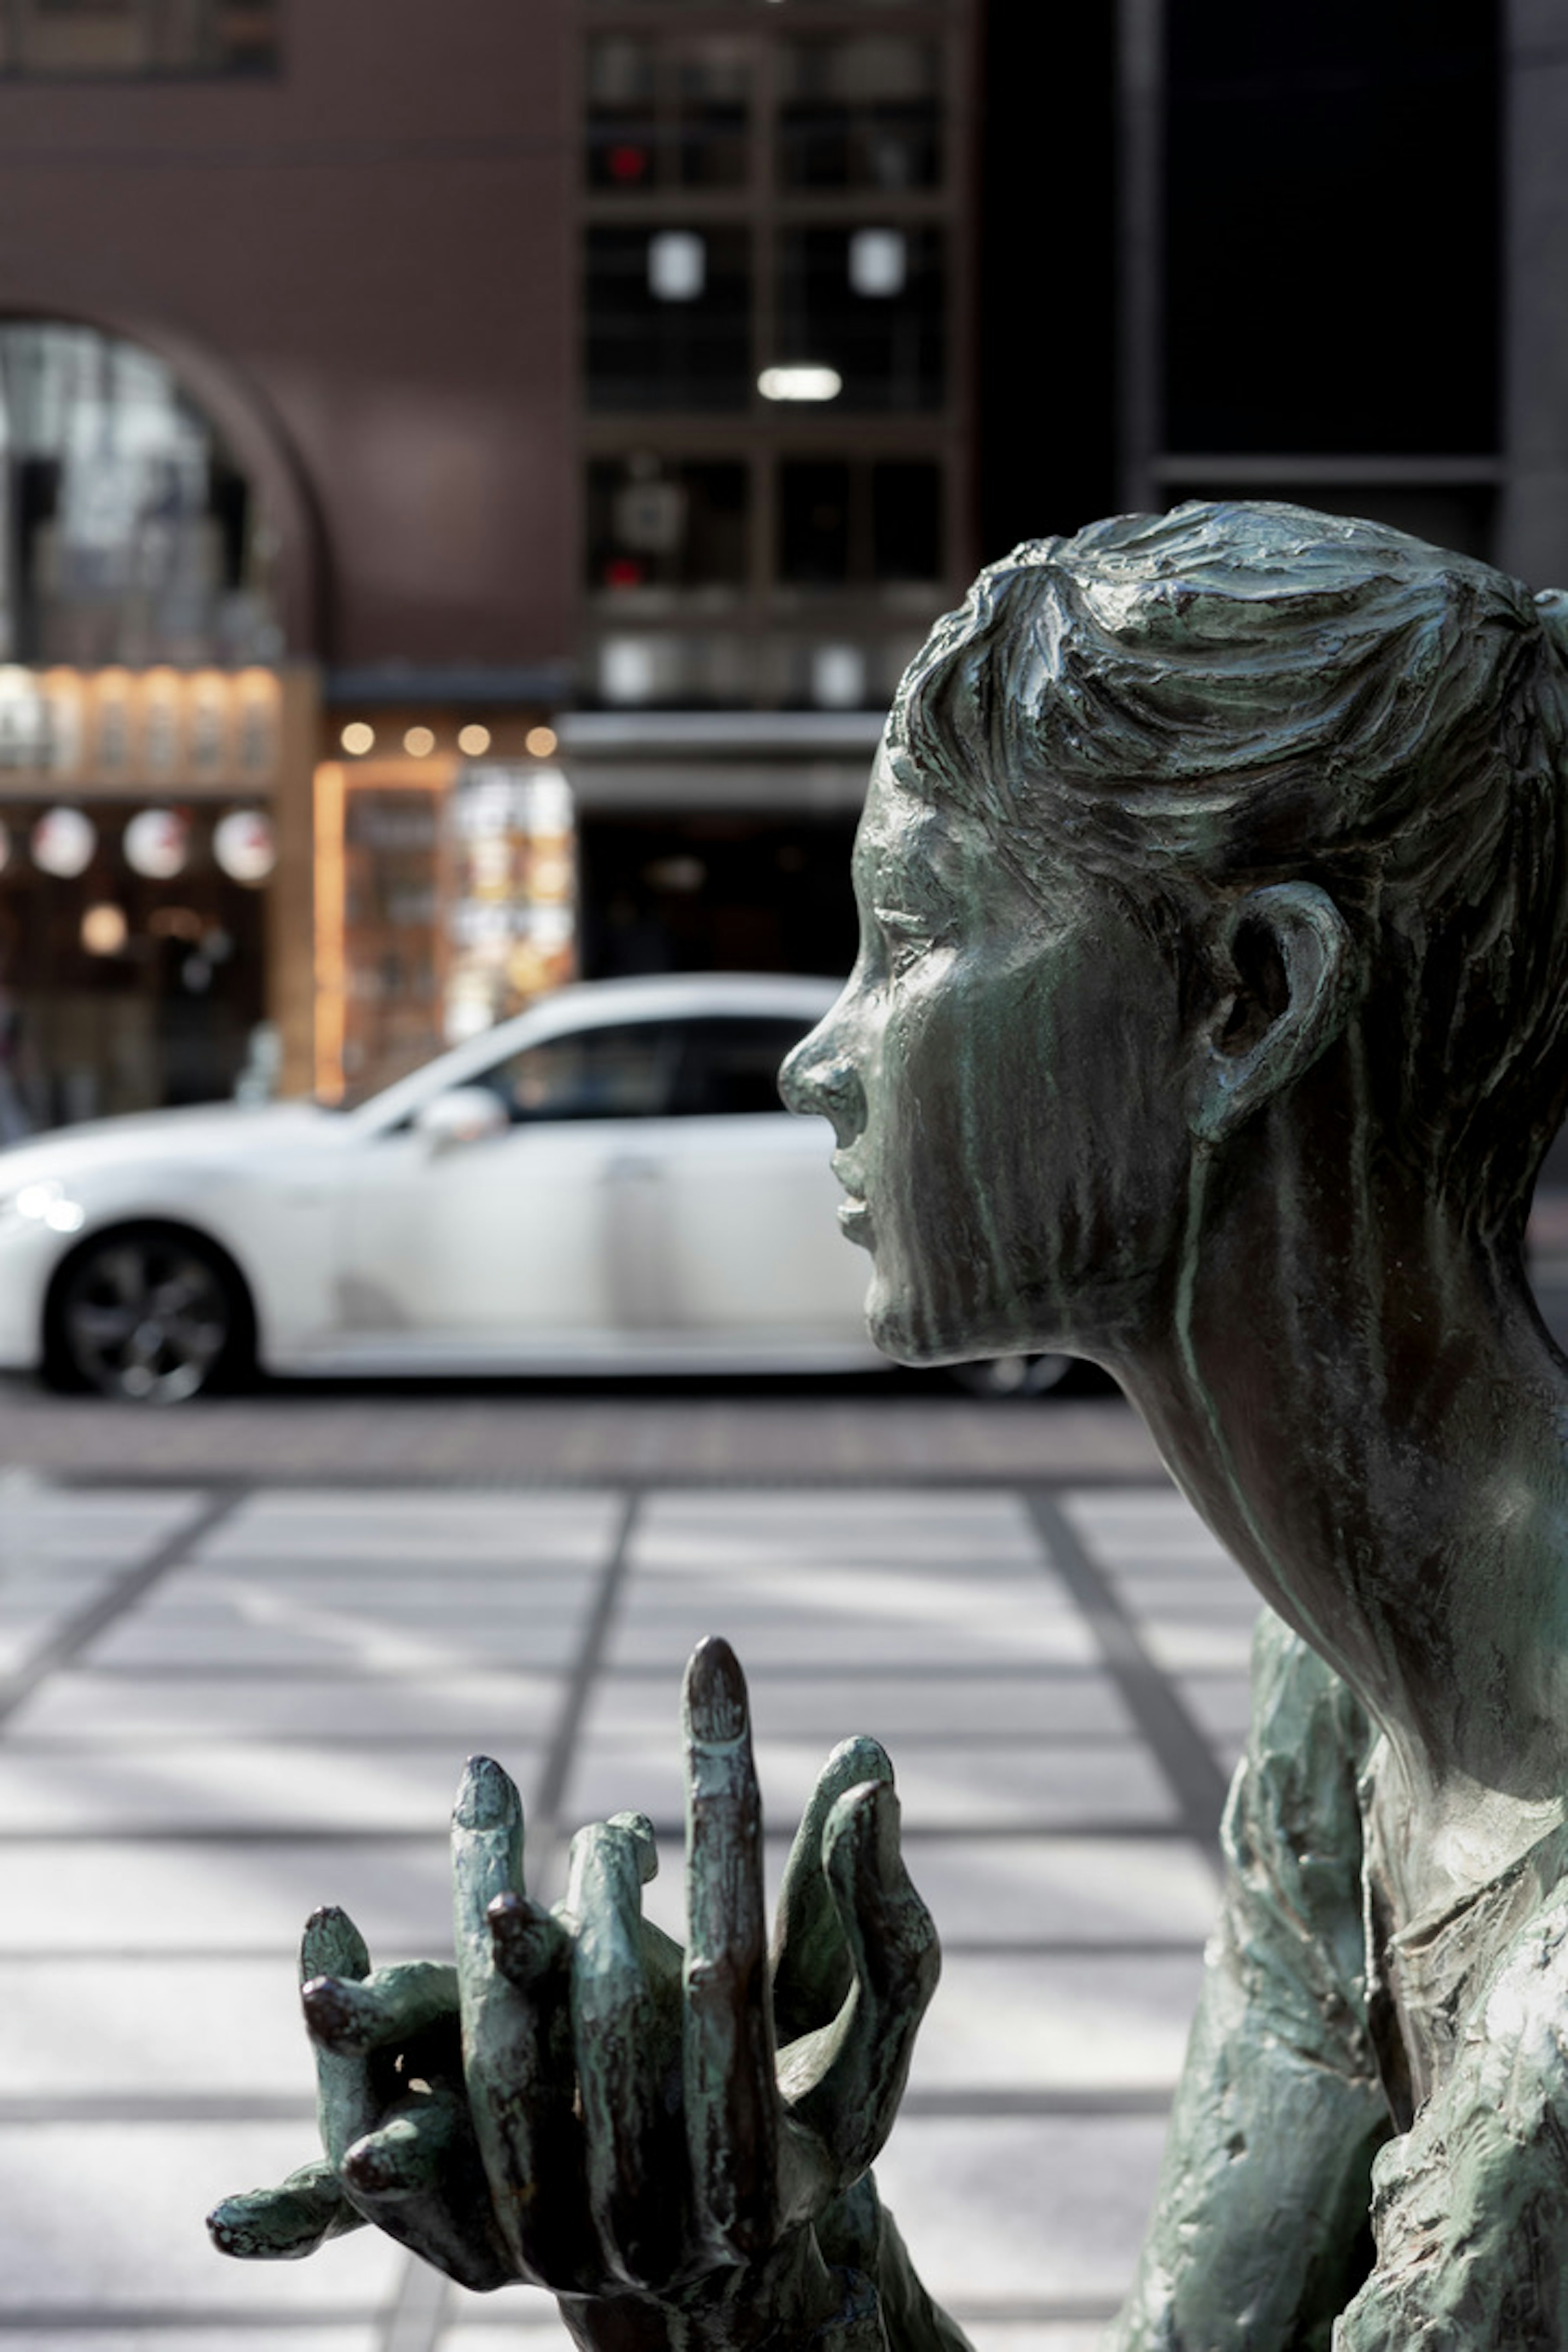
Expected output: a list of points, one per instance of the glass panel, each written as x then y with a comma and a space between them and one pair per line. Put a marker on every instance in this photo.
887, 346
667, 115
813, 522
626, 1072
906, 520
133, 537
730, 1069
862, 113
645, 351
657, 522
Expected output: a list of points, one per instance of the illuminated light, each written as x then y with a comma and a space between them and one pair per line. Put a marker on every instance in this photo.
878, 262
332, 923
104, 930
627, 163
540, 742
244, 846
628, 669
419, 742
677, 266
473, 741
838, 678
357, 739
63, 841
623, 572
800, 383
157, 844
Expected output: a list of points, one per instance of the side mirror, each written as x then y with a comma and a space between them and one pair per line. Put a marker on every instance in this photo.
462, 1115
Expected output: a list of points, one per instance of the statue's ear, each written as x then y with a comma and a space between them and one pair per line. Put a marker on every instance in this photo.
1288, 953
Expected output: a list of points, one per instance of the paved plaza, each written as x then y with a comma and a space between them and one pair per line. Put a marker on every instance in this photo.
229, 1703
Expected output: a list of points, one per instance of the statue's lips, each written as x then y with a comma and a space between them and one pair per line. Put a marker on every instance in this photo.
855, 1221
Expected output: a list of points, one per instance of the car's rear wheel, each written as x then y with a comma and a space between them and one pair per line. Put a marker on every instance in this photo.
148, 1312
1011, 1376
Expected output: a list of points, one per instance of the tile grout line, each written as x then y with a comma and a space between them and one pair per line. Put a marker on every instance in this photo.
1150, 1696
85, 1625
561, 1748
416, 2319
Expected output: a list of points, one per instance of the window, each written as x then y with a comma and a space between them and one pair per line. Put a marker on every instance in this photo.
668, 319
1304, 147
863, 113
138, 37
854, 523
665, 115
879, 326
133, 537
663, 523
730, 1067
621, 1072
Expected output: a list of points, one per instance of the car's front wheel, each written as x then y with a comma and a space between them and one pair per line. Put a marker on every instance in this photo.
148, 1312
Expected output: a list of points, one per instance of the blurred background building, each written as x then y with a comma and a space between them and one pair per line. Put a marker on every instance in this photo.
472, 475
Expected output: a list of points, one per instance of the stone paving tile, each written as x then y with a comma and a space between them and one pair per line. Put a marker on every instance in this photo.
323, 1524
941, 1787
319, 1668
1006, 2209
146, 1789
1073, 1703
109, 2218
1058, 2024
162, 2025
468, 1710
223, 1894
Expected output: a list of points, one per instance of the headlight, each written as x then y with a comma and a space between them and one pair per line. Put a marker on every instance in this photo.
44, 1203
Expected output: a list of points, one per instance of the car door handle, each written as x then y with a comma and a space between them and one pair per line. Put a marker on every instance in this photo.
630, 1163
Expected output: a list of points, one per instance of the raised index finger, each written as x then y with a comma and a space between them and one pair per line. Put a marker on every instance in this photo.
731, 2103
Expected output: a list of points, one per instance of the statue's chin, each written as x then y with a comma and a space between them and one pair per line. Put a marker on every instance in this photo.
901, 1330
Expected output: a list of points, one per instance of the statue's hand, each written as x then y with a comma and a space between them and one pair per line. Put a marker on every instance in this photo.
650, 2153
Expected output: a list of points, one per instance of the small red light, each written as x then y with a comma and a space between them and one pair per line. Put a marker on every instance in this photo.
623, 572
627, 163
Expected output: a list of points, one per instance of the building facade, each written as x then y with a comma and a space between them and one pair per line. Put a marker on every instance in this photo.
472, 477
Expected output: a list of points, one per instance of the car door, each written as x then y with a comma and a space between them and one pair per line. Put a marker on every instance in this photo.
514, 1241
752, 1243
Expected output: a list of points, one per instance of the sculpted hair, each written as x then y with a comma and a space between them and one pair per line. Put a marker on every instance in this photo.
1190, 706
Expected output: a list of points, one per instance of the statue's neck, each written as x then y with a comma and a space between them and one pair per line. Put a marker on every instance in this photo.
1378, 1435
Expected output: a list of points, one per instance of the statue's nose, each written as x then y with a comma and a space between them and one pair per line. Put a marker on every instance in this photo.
821, 1083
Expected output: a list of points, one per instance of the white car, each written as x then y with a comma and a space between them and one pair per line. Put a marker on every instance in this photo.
607, 1182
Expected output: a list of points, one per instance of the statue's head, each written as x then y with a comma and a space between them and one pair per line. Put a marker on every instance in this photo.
1170, 819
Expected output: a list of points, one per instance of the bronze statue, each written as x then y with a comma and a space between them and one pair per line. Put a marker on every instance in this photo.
1209, 1023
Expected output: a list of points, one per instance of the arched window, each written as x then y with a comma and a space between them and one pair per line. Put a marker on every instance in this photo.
129, 535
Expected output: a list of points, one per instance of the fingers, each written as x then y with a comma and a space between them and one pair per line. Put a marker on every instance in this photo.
347, 2103
626, 2046
811, 1966
418, 2176
517, 2056
279, 2225
848, 2090
732, 2107
389, 2005
398, 2027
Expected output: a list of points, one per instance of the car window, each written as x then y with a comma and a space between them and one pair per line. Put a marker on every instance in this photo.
621, 1072
730, 1065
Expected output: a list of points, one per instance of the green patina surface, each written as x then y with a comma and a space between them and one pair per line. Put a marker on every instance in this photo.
1211, 1021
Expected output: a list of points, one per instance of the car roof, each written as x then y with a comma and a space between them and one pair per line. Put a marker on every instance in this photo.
595, 1004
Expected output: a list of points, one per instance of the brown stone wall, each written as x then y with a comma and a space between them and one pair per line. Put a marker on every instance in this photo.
364, 265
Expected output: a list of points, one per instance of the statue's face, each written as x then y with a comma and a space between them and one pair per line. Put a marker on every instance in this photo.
1005, 1078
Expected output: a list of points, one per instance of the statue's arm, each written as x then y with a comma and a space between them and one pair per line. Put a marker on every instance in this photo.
1259, 2235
